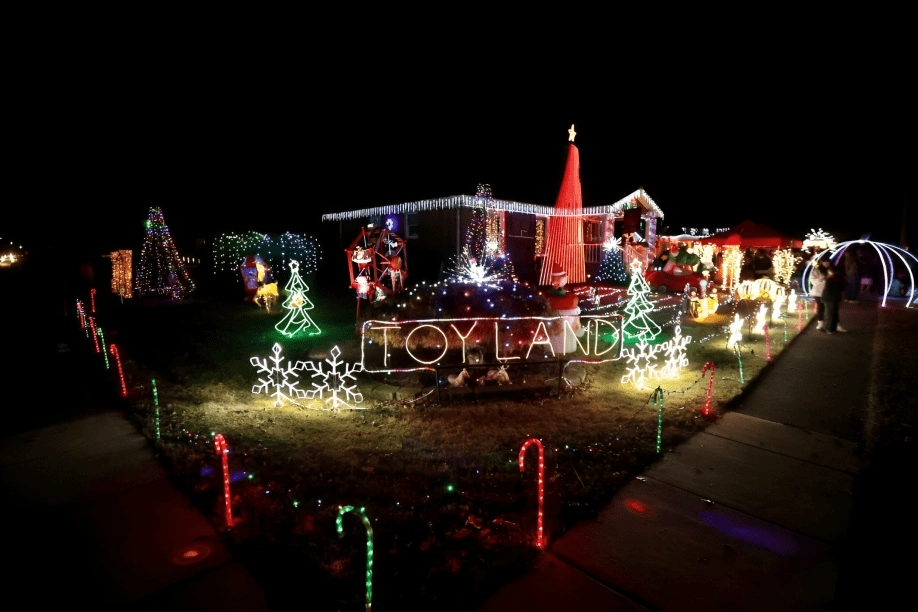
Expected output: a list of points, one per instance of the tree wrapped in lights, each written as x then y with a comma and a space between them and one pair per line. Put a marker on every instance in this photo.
297, 319
612, 268
160, 271
639, 326
476, 234
783, 262
482, 261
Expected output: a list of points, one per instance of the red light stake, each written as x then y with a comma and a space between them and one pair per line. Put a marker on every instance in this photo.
92, 299
540, 540
114, 351
706, 410
220, 446
95, 334
799, 316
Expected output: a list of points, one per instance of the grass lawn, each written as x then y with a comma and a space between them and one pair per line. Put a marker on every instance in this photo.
453, 516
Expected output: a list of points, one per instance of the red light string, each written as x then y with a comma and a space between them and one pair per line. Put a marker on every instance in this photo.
220, 446
540, 541
92, 299
114, 351
95, 334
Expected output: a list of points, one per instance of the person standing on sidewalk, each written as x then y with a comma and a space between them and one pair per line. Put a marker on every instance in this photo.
818, 283
831, 297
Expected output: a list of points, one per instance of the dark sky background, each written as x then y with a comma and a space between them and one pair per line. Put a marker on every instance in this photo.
816, 136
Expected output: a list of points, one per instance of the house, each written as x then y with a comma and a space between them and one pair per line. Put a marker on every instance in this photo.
569, 233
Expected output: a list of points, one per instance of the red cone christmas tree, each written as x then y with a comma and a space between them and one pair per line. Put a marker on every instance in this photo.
564, 235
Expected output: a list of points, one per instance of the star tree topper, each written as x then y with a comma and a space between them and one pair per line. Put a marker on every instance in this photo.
571, 133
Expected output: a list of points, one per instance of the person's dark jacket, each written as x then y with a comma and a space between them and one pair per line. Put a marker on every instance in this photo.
833, 289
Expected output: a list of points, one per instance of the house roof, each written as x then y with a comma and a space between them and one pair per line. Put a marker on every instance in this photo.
469, 201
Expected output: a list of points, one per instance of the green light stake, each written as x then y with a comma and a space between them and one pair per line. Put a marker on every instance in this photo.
366, 523
104, 351
739, 359
156, 409
658, 395
785, 328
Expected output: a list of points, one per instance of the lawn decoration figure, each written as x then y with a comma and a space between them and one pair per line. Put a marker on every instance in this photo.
498, 376
266, 295
459, 380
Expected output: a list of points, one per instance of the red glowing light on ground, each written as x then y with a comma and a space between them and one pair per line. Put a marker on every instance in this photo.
640, 508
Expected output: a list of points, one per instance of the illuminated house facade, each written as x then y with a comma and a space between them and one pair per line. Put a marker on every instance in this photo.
538, 239
435, 229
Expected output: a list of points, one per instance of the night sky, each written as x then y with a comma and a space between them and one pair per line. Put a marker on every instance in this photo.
819, 141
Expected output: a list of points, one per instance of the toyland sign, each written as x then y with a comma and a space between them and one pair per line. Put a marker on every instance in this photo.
427, 344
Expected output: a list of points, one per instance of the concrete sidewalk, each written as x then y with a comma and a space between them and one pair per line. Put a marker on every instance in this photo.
750, 514
94, 520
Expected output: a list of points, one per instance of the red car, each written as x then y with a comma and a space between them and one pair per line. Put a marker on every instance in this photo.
675, 280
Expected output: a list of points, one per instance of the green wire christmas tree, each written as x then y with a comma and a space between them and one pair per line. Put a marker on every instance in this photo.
638, 326
296, 304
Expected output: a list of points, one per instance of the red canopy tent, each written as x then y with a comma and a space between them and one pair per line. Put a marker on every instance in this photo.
751, 235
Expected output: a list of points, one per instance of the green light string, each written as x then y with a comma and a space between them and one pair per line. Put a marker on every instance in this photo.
104, 351
156, 409
784, 319
339, 523
658, 394
739, 359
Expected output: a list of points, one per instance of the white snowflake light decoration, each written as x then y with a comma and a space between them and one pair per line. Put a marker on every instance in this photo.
283, 380
674, 349
642, 369
333, 383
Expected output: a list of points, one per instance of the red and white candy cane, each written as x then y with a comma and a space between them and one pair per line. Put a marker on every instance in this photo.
114, 351
706, 410
540, 540
220, 446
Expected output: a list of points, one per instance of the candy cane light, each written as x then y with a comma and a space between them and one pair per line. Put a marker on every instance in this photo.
220, 448
540, 540
339, 524
114, 351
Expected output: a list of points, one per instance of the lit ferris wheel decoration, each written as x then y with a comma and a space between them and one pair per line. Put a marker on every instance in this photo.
889, 256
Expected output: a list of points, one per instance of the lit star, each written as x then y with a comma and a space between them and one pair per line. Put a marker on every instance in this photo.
571, 133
